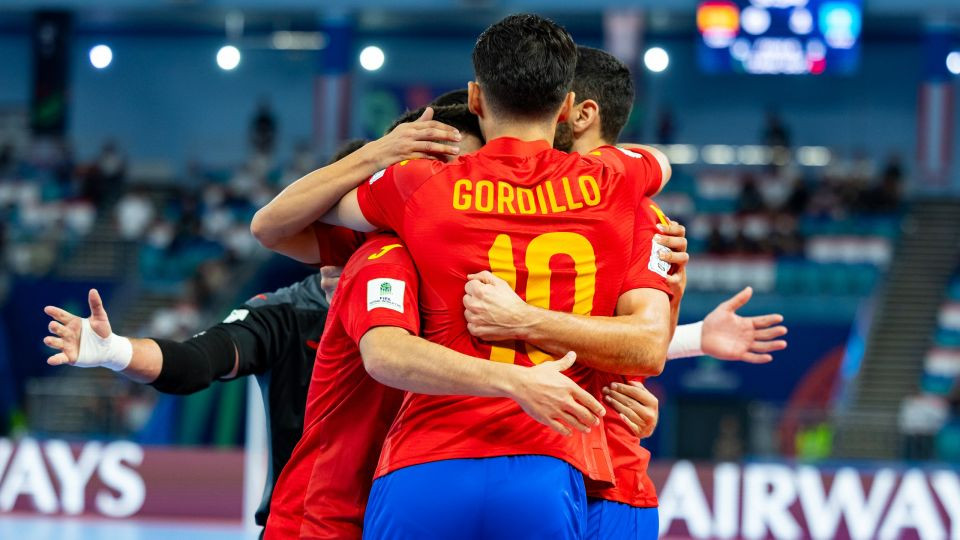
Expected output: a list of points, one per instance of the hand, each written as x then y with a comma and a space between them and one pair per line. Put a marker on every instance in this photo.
329, 278
68, 328
639, 408
422, 138
673, 236
493, 310
553, 399
728, 336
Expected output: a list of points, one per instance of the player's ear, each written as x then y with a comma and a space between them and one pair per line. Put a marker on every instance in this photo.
566, 109
586, 114
474, 101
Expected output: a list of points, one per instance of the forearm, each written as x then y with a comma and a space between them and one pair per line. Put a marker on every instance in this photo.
191, 366
146, 363
309, 198
686, 341
628, 345
400, 360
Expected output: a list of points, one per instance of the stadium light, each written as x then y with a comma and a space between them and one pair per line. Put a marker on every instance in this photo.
953, 62
228, 57
101, 56
372, 58
656, 59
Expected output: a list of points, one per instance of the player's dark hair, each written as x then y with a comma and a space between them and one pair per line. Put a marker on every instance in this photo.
603, 78
453, 97
458, 116
346, 148
525, 65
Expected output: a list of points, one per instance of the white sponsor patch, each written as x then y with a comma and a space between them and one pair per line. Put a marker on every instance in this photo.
237, 315
630, 153
656, 265
385, 293
378, 175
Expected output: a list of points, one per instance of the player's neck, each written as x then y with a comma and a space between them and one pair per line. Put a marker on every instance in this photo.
587, 143
525, 131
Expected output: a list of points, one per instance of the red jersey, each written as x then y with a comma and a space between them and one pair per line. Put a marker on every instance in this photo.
323, 490
336, 245
631, 460
556, 226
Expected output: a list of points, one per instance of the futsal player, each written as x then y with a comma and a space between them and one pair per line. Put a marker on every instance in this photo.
605, 93
527, 485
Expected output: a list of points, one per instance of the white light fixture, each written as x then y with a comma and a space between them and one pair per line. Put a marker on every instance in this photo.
228, 57
372, 58
101, 56
755, 20
953, 62
656, 59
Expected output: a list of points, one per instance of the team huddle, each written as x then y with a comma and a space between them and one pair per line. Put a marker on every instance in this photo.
509, 286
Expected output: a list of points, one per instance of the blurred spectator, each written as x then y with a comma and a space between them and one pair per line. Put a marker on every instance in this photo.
750, 200
104, 177
135, 212
304, 161
665, 126
716, 243
774, 131
263, 129
6, 160
921, 417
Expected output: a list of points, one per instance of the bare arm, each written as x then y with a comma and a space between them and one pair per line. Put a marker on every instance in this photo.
146, 360
307, 200
632, 343
395, 358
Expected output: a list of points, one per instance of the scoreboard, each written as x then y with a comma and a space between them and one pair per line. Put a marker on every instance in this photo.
795, 37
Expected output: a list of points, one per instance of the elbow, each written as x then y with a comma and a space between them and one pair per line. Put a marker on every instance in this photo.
648, 360
378, 363
261, 230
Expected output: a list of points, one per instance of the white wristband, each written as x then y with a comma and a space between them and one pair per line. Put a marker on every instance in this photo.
686, 341
112, 352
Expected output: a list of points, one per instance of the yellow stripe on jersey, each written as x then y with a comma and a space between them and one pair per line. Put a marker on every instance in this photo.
660, 214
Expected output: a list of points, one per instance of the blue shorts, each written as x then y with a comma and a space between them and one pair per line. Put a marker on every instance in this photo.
610, 520
529, 497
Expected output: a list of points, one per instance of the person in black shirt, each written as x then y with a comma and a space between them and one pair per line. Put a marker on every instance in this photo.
273, 336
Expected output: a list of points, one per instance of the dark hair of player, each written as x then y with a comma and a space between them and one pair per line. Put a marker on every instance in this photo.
606, 80
346, 148
458, 116
525, 65
453, 97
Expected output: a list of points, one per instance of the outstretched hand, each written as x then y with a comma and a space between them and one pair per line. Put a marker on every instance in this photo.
67, 329
729, 336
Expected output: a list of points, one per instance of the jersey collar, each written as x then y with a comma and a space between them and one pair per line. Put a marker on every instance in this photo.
509, 146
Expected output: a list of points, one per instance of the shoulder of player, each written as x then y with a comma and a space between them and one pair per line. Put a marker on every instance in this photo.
414, 168
379, 250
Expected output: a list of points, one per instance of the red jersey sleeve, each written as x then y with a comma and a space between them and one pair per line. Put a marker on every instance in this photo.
384, 292
336, 244
635, 163
383, 198
646, 270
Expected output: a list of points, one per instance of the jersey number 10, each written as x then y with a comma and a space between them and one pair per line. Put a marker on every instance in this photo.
537, 261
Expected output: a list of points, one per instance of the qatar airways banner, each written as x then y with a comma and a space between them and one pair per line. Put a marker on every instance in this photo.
775, 500
119, 479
